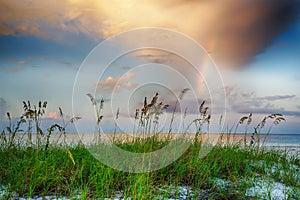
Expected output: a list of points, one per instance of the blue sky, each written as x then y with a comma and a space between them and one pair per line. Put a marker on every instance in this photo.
254, 44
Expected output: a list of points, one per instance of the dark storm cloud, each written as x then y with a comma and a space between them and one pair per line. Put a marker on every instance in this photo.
232, 31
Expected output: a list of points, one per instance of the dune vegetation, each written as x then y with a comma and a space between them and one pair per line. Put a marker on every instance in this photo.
32, 165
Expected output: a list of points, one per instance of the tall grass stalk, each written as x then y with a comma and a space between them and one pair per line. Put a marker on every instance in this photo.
98, 106
180, 97
115, 128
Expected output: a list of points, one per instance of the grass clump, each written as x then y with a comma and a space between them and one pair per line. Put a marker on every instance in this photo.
73, 170
42, 168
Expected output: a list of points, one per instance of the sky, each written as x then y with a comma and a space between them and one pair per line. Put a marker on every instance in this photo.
253, 45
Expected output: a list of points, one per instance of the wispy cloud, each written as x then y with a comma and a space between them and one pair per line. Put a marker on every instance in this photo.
126, 67
233, 32
31, 60
156, 56
64, 63
11, 60
22, 62
15, 69
17, 62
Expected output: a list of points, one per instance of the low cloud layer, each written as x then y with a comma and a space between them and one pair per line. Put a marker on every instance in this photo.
248, 102
277, 97
232, 31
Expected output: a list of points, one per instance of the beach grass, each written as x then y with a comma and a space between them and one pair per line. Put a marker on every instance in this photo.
38, 167
72, 170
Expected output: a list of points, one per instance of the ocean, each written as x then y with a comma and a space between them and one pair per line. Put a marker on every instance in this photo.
280, 140
283, 140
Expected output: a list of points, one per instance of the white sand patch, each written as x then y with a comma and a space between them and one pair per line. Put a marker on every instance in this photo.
268, 189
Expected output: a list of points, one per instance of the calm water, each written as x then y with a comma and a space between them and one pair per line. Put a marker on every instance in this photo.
283, 140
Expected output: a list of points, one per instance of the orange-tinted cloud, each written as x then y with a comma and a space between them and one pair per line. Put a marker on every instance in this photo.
232, 31
117, 84
53, 115
22, 62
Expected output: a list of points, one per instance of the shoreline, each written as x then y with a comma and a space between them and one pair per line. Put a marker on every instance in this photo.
230, 138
